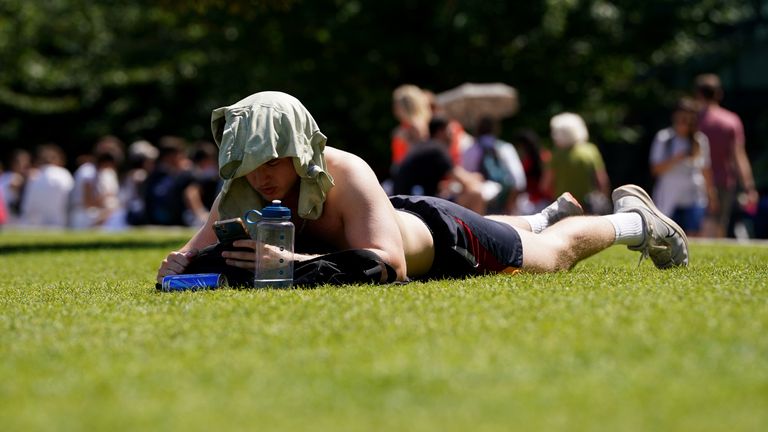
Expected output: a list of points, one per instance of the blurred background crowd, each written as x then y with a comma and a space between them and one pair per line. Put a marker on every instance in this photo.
702, 176
445, 145
112, 187
604, 94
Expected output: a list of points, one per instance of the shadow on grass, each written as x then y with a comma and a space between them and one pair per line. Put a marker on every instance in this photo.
69, 246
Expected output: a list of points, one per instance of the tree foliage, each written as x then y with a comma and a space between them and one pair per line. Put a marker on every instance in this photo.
74, 69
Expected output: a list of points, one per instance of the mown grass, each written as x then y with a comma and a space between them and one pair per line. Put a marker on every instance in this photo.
87, 344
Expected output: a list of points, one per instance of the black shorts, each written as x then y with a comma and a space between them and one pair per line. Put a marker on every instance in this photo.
466, 243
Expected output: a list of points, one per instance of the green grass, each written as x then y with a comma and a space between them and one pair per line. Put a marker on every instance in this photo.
86, 343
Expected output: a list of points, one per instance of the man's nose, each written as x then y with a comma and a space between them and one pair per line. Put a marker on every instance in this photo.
262, 175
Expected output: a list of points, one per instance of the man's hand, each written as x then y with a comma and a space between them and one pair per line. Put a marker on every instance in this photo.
175, 263
273, 257
242, 259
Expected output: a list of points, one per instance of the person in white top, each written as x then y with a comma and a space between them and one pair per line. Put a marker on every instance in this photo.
95, 194
94, 198
680, 162
46, 196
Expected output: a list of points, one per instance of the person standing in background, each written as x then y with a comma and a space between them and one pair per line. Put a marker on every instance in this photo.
46, 198
94, 198
680, 163
497, 161
730, 164
3, 213
577, 165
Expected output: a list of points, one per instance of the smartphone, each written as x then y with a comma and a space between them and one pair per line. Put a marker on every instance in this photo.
229, 230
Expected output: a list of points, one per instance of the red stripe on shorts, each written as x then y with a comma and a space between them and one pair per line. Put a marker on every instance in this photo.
486, 261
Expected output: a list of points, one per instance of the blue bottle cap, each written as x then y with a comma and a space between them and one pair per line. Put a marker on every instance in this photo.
276, 210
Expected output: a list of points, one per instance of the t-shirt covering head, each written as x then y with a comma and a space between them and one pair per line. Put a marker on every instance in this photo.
262, 127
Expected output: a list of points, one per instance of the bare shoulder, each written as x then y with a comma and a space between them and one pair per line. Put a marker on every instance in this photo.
343, 160
355, 183
349, 170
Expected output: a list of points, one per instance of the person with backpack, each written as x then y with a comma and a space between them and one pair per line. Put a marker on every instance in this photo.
500, 166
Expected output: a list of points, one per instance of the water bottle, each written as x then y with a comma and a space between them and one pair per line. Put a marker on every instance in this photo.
274, 239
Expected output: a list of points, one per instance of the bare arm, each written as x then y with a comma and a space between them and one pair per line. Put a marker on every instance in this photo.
205, 236
709, 183
666, 165
745, 171
368, 217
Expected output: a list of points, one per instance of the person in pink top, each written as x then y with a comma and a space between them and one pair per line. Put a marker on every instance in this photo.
3, 216
730, 164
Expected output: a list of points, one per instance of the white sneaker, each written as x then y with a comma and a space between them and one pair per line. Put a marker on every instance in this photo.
664, 241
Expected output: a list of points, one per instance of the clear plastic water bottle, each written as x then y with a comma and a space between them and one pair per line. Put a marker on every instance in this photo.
274, 239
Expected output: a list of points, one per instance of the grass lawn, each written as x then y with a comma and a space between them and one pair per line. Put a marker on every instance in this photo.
88, 344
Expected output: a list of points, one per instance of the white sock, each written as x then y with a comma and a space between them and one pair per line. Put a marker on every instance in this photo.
538, 222
628, 227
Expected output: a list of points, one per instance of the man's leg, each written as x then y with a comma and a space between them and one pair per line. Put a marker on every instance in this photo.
637, 223
564, 244
726, 198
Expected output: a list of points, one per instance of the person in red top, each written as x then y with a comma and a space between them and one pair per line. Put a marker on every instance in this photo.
730, 164
410, 105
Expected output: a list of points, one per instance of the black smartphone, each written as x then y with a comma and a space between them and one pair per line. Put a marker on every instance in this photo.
229, 230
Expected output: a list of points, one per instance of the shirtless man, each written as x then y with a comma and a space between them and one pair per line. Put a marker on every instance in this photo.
419, 237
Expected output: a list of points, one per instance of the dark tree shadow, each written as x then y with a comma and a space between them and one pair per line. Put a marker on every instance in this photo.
117, 244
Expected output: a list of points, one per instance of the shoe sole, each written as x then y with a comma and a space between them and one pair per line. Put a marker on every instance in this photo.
642, 195
567, 198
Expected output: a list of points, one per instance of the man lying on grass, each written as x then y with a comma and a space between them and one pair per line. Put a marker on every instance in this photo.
272, 149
